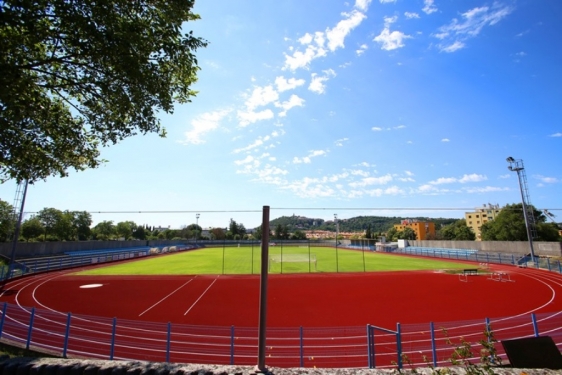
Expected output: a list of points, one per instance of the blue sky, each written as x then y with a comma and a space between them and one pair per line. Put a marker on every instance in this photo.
323, 107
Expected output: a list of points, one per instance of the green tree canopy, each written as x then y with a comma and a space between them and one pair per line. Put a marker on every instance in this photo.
509, 225
32, 228
81, 74
6, 220
458, 231
104, 230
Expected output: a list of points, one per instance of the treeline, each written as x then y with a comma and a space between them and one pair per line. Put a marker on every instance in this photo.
377, 224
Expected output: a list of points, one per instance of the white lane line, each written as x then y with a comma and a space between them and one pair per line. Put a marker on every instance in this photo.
201, 296
184, 284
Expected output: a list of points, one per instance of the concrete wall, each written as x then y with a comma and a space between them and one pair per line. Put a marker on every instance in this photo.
37, 249
510, 247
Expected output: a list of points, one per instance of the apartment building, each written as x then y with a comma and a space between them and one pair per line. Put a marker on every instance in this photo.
424, 229
480, 216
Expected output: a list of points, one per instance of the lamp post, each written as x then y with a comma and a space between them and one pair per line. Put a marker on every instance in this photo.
197, 227
517, 166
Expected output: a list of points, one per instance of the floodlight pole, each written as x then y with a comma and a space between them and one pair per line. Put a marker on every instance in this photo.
517, 166
261, 368
197, 227
17, 229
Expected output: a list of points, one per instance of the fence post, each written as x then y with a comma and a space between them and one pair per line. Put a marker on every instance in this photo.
4, 308
66, 336
112, 348
535, 326
369, 353
231, 345
168, 342
399, 345
433, 348
512, 259
31, 318
548, 263
559, 268
301, 347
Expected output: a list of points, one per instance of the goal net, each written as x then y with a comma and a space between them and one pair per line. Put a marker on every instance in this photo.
292, 258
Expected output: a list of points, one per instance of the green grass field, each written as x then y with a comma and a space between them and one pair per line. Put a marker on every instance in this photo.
246, 260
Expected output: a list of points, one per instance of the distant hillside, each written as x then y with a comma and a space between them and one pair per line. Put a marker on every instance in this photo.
354, 224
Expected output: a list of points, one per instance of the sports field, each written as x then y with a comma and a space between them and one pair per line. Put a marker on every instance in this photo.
247, 260
201, 306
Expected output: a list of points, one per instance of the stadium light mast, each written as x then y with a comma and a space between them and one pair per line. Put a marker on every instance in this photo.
197, 226
517, 166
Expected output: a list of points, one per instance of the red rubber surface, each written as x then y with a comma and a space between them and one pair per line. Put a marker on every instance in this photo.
309, 300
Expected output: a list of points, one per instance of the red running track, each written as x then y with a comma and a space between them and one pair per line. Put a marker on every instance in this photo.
301, 300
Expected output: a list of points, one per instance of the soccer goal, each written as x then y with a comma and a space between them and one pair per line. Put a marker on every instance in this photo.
292, 258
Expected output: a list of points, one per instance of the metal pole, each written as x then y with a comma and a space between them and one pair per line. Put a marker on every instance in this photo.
17, 233
261, 368
526, 216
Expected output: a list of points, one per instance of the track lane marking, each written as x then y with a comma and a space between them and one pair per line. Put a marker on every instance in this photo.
157, 303
201, 296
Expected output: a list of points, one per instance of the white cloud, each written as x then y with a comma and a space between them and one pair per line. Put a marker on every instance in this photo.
306, 39
445, 140
261, 96
472, 178
308, 159
341, 141
453, 47
362, 5
202, 124
429, 7
302, 59
367, 181
399, 127
359, 172
390, 40
443, 180
387, 1
248, 159
487, 189
547, 180
337, 35
411, 15
361, 49
249, 117
317, 82
376, 129
555, 135
471, 24
284, 84
294, 101
408, 173
503, 176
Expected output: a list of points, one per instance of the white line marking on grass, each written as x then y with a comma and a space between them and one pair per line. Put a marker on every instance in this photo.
157, 303
201, 296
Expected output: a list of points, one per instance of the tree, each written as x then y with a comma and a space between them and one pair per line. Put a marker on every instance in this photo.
139, 233
458, 231
299, 235
217, 234
368, 232
509, 225
49, 218
81, 74
125, 229
407, 234
32, 228
81, 221
104, 230
6, 221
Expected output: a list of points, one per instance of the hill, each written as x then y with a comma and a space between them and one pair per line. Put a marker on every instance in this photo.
354, 224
